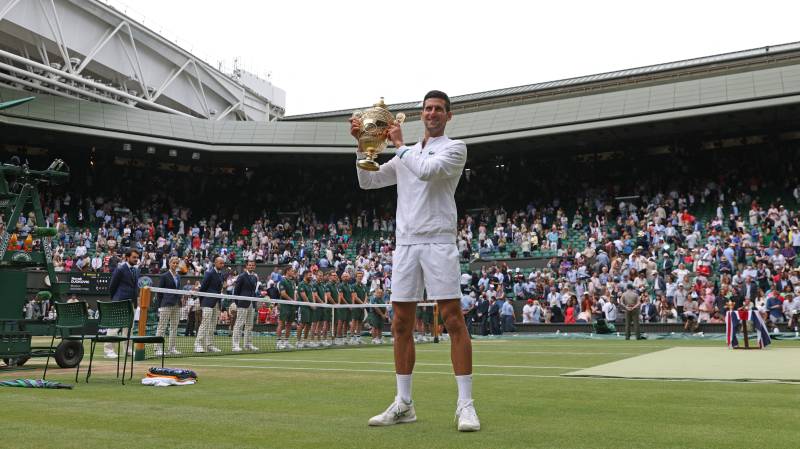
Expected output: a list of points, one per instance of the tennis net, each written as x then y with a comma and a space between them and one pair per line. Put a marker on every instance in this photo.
231, 327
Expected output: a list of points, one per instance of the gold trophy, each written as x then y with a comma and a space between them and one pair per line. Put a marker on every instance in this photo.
375, 123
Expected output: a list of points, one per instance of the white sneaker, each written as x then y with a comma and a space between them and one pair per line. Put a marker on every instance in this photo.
174, 351
158, 353
250, 348
338, 342
467, 418
236, 349
279, 344
198, 348
399, 412
213, 348
288, 345
326, 343
359, 341
313, 344
111, 355
301, 344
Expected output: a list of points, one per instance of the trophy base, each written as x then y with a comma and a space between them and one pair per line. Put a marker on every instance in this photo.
368, 165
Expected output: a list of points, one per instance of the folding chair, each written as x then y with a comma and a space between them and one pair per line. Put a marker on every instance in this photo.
69, 316
119, 314
113, 315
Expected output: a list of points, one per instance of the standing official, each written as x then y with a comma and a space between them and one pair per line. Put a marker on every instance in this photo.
358, 296
325, 314
342, 315
124, 286
169, 307
377, 316
288, 313
304, 294
630, 303
213, 282
246, 285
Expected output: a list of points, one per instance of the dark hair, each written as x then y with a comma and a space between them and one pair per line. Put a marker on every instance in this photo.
438, 94
130, 252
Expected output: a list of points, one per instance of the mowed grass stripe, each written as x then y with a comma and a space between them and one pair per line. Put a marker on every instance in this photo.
277, 407
356, 362
450, 373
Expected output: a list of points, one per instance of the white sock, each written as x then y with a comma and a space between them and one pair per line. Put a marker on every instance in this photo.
404, 387
464, 388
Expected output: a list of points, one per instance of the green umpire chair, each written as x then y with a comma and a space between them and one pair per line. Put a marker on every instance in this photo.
70, 316
116, 315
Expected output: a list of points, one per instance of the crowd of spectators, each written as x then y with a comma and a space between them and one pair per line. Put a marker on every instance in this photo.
689, 238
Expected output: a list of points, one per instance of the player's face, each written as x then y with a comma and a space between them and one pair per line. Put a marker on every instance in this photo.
133, 259
173, 264
251, 265
219, 263
434, 116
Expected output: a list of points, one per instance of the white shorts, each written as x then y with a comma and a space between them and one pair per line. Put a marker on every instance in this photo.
429, 267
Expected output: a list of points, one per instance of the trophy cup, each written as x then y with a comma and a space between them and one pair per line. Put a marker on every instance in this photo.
375, 123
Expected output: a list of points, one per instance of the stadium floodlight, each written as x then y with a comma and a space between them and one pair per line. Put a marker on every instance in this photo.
173, 153
196, 155
151, 150
126, 147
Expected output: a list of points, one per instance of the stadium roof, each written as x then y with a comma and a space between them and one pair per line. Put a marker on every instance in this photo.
579, 81
767, 78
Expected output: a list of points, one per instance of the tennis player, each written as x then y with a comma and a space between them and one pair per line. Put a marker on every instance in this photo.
426, 257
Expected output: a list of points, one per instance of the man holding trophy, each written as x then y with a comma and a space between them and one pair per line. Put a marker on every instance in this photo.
426, 257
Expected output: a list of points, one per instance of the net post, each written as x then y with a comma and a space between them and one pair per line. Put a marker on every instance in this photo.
436, 322
144, 305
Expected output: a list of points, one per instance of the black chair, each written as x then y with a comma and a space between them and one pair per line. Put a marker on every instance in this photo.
69, 316
115, 315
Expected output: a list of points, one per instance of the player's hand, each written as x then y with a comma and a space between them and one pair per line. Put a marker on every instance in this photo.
355, 127
395, 133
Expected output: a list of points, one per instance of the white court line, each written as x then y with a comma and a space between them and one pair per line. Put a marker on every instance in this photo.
552, 344
389, 363
499, 351
538, 352
543, 376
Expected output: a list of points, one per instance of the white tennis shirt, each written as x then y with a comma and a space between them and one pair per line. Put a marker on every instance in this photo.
426, 180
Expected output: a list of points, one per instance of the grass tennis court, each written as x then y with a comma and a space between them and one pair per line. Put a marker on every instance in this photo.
322, 399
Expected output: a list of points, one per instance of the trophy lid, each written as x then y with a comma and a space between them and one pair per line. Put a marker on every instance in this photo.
380, 104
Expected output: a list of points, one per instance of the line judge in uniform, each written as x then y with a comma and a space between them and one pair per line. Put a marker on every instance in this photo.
169, 306
246, 285
124, 286
213, 282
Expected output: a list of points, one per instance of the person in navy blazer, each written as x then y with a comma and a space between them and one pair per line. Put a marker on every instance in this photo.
124, 280
124, 286
169, 306
246, 285
213, 282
